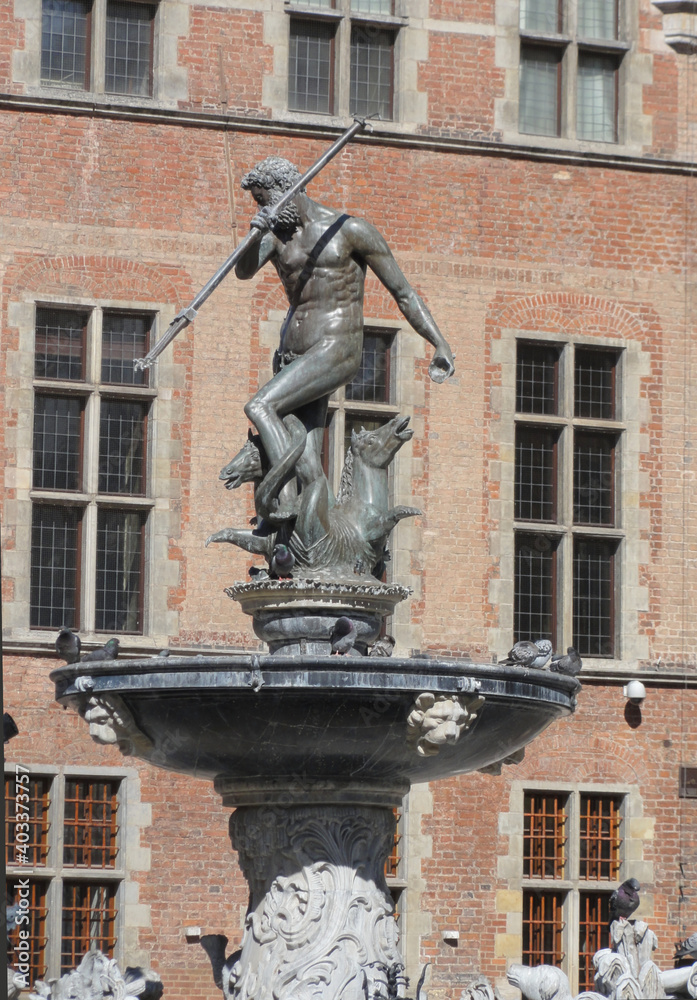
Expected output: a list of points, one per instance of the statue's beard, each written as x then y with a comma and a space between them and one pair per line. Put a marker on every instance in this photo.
288, 217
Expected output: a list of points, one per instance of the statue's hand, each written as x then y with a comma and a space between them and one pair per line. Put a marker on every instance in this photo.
442, 366
264, 219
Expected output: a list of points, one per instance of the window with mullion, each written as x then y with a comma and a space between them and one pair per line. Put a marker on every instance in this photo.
62, 421
596, 96
81, 908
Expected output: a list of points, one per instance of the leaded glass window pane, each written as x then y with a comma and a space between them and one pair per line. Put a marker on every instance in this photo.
372, 6
535, 474
594, 478
597, 18
540, 69
59, 349
124, 338
594, 384
128, 62
540, 16
57, 443
371, 71
596, 117
119, 571
64, 41
54, 566
593, 601
534, 610
372, 383
310, 66
122, 447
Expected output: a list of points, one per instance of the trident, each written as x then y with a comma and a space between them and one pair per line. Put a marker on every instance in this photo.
186, 316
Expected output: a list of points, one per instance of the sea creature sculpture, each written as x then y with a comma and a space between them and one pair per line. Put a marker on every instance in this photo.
329, 539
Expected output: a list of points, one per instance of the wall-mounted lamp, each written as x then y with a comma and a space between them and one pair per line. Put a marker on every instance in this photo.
634, 692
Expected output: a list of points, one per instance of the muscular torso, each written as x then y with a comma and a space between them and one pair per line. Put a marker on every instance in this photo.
324, 284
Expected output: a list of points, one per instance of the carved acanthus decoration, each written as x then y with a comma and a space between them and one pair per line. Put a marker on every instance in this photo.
99, 978
437, 720
320, 921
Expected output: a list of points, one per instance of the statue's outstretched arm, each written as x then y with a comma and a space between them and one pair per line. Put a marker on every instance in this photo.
375, 252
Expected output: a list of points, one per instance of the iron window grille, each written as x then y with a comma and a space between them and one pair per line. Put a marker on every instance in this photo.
70, 856
572, 850
569, 73
89, 493
567, 515
341, 56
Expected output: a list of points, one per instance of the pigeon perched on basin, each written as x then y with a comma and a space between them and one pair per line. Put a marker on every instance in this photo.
383, 647
282, 561
109, 651
569, 663
343, 636
687, 948
68, 645
625, 900
529, 654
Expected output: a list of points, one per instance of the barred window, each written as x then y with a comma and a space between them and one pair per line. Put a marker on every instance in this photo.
572, 853
90, 501
63, 864
567, 439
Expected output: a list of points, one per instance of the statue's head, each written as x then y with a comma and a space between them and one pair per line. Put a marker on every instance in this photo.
276, 176
272, 173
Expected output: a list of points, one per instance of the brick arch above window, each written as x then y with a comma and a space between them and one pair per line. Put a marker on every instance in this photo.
98, 277
569, 313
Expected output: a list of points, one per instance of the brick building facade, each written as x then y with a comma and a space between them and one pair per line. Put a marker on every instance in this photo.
533, 170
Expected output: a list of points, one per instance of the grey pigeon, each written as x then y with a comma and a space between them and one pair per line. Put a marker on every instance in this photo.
687, 948
109, 651
282, 561
569, 663
9, 727
343, 636
625, 900
529, 654
68, 645
160, 654
383, 647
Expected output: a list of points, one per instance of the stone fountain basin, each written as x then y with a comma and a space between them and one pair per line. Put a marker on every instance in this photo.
256, 721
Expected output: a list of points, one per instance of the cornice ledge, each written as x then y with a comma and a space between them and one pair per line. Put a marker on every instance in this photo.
316, 130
